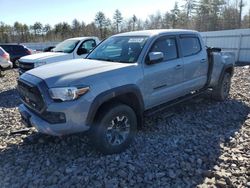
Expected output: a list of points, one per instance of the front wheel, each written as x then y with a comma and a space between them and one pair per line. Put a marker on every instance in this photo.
114, 129
221, 92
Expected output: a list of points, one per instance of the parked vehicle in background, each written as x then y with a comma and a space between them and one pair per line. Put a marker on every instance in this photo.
5, 62
48, 49
126, 77
16, 51
73, 48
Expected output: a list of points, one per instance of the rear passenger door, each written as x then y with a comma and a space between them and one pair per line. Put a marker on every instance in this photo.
162, 81
195, 62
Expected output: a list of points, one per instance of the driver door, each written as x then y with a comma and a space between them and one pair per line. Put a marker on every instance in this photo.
163, 80
84, 48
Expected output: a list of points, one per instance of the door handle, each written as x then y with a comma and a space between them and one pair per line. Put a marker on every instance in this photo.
203, 61
178, 67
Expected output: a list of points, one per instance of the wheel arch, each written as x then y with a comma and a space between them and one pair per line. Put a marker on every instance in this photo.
128, 94
226, 69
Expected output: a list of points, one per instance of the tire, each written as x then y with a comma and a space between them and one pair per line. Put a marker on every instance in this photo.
114, 129
221, 92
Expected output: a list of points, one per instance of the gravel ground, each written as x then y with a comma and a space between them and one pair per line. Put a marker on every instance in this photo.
201, 143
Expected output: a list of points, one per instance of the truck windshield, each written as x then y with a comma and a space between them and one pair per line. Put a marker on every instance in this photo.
66, 46
125, 49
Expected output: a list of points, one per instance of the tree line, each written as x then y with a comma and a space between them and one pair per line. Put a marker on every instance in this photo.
201, 15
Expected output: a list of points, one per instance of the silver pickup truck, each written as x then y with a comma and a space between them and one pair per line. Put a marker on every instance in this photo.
123, 79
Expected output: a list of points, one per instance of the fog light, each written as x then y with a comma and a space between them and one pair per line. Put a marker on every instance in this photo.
54, 117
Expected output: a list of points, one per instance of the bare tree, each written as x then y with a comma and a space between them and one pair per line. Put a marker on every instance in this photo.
174, 15
76, 28
241, 5
202, 15
246, 20
134, 19
189, 7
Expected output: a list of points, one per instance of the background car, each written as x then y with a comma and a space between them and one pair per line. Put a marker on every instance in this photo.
72, 48
4, 60
16, 51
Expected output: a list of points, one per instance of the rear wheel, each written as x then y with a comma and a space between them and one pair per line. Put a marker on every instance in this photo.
114, 129
221, 92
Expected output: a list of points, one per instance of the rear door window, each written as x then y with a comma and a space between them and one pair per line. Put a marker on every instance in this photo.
190, 45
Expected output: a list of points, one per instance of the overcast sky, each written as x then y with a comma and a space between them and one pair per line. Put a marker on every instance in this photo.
55, 11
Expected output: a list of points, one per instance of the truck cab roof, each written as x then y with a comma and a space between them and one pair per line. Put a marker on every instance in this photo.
157, 32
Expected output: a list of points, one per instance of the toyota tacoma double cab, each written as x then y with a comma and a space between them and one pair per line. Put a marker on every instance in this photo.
123, 79
72, 48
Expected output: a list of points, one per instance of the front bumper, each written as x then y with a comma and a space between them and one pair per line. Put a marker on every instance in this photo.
7, 65
30, 119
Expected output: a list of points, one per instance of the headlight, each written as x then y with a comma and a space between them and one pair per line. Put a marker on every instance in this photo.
67, 93
38, 64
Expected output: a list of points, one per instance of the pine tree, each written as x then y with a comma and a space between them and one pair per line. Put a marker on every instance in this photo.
117, 19
100, 20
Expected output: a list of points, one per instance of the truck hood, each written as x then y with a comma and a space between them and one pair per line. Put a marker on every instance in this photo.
71, 72
42, 57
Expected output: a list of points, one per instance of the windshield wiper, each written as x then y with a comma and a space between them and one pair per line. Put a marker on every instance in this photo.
110, 60
99, 59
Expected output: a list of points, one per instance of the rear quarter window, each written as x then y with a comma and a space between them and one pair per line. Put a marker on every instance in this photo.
190, 46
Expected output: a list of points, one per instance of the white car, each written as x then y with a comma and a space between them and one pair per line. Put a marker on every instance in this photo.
5, 62
73, 48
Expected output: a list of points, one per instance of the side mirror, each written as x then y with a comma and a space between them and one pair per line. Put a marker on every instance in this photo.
155, 57
82, 51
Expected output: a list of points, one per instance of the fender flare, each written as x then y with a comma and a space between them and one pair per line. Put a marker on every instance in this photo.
113, 93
